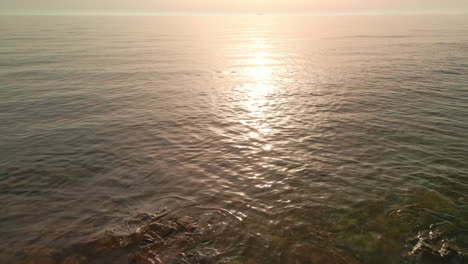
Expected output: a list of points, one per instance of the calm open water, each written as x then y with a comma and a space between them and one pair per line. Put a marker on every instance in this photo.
292, 139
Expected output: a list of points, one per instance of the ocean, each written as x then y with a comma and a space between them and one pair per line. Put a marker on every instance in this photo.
287, 139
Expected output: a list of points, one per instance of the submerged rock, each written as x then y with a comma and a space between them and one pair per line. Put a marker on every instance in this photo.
388, 227
431, 248
170, 241
370, 234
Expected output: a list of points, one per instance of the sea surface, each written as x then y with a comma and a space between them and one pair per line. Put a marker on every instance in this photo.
291, 139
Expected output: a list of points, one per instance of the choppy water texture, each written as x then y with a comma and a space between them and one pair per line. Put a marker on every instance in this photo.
321, 139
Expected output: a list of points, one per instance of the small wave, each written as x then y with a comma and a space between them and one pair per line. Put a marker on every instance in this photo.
450, 72
380, 36
26, 38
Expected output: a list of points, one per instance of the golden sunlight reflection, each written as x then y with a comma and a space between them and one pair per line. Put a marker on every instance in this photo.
258, 73
259, 70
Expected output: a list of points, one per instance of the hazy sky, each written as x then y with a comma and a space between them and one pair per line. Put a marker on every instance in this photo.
236, 5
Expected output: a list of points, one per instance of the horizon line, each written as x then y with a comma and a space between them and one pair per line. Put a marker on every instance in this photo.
202, 13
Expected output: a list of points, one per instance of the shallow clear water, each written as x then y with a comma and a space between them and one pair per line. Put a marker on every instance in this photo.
292, 139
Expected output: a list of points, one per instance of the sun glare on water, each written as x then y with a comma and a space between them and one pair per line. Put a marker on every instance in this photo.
258, 89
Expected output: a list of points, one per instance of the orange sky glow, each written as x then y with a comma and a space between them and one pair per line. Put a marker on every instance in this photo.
239, 5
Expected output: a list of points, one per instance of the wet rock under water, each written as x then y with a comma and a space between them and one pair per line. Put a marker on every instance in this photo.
432, 248
169, 241
185, 241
